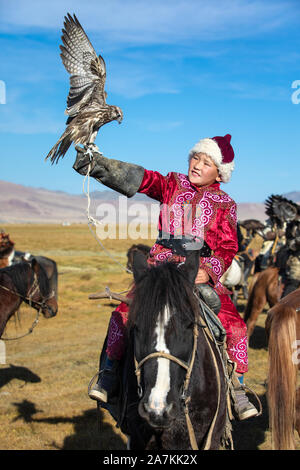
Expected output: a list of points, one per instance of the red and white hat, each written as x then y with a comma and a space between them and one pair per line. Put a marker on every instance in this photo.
220, 151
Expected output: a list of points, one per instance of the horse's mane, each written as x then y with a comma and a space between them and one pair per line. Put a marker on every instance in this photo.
18, 272
162, 286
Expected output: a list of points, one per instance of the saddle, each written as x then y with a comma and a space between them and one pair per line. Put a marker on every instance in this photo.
210, 305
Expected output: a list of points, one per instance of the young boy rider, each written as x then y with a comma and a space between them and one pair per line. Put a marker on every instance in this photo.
212, 218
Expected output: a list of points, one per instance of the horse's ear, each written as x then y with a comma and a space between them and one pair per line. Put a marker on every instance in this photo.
191, 265
139, 265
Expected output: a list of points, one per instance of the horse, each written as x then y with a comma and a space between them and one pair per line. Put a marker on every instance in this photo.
265, 287
25, 282
6, 249
9, 256
175, 380
283, 333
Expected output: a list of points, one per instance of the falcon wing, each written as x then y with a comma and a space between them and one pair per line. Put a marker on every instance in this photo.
87, 70
281, 210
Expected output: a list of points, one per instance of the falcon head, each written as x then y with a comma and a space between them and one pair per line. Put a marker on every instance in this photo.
117, 114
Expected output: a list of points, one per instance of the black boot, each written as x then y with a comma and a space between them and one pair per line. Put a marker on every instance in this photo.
107, 384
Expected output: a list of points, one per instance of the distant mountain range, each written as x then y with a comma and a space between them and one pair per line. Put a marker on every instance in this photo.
24, 204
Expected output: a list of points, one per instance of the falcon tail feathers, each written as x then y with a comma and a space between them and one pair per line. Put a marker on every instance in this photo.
59, 149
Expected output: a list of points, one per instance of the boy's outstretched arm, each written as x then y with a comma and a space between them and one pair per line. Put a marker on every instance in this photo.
123, 177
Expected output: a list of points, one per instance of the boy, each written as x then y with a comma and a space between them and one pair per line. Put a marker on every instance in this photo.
194, 212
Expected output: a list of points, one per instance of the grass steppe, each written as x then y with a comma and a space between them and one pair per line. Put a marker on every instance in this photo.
43, 384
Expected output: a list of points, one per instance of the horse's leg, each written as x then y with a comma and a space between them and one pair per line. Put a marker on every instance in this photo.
258, 302
245, 290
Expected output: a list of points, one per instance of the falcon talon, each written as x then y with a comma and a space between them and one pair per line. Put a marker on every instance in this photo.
89, 153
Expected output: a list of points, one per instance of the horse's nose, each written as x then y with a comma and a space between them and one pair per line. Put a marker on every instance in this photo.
156, 416
50, 311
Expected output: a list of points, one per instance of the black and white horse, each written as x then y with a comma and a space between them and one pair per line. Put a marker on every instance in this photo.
175, 381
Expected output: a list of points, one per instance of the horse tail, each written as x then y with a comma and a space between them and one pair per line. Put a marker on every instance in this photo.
282, 377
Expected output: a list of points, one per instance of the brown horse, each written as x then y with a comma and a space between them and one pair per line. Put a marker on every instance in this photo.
6, 249
265, 287
25, 282
283, 331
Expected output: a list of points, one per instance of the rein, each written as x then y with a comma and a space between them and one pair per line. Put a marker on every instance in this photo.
33, 289
95, 222
185, 397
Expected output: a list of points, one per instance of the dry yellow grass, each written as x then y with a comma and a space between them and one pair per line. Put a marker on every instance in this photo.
43, 385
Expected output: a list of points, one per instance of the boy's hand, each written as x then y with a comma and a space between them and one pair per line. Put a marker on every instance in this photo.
202, 277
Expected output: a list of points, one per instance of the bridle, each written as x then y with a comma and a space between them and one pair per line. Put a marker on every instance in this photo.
189, 368
28, 298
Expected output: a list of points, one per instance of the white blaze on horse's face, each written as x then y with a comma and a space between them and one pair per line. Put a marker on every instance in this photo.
158, 397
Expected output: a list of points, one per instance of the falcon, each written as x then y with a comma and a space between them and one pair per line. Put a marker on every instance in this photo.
86, 103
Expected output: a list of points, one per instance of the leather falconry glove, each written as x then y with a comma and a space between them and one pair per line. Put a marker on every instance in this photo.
126, 178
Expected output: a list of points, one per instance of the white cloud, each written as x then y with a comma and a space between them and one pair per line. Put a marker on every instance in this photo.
155, 22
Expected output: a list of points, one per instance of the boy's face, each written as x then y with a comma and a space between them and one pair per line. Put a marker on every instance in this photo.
202, 170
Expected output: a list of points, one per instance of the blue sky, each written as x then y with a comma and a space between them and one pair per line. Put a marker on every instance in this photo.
181, 70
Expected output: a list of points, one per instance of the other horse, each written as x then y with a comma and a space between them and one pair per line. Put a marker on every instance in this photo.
48, 264
9, 256
25, 282
141, 247
265, 287
176, 395
283, 331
